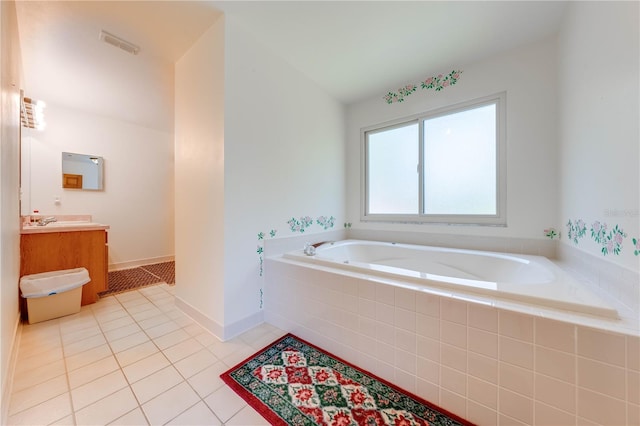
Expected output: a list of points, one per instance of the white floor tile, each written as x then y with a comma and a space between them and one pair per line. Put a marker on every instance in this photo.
225, 403
195, 363
123, 331
93, 371
45, 413
208, 380
132, 418
107, 409
38, 359
117, 323
84, 345
171, 339
184, 349
199, 414
128, 342
162, 329
143, 368
130, 359
30, 397
29, 378
88, 357
94, 391
247, 417
136, 353
156, 383
170, 404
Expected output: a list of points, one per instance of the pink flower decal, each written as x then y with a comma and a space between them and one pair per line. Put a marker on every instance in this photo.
436, 83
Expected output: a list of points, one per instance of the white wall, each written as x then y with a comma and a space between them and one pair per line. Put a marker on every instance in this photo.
10, 82
599, 127
137, 200
284, 159
257, 144
199, 179
528, 75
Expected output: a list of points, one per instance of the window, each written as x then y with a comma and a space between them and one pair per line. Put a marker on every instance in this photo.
446, 166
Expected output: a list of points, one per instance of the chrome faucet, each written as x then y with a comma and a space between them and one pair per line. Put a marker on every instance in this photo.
46, 220
309, 249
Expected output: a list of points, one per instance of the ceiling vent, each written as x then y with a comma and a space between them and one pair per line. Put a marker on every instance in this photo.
118, 42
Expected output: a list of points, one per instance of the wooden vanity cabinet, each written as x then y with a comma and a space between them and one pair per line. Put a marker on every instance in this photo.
51, 251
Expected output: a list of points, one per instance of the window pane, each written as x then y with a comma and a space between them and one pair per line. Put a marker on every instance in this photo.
392, 170
460, 162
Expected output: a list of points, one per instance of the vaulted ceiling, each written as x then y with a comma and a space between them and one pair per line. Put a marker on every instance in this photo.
352, 49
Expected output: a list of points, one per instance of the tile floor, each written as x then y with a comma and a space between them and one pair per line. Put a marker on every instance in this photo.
130, 359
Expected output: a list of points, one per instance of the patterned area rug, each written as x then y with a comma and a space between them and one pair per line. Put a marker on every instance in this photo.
292, 382
166, 271
131, 279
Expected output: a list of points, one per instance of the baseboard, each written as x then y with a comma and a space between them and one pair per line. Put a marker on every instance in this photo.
245, 324
210, 325
7, 383
140, 262
223, 333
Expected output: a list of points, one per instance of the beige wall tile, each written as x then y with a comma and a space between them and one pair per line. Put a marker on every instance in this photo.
601, 377
517, 326
548, 416
517, 406
428, 304
482, 392
453, 380
633, 414
483, 367
517, 379
480, 414
453, 357
453, 402
600, 408
428, 326
453, 334
429, 348
428, 370
483, 317
633, 353
405, 299
557, 364
556, 393
602, 346
428, 391
633, 387
385, 293
516, 352
483, 342
555, 335
453, 310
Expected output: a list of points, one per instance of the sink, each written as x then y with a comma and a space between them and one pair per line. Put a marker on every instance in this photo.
65, 224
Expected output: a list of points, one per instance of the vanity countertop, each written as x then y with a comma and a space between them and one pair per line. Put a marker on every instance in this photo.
66, 223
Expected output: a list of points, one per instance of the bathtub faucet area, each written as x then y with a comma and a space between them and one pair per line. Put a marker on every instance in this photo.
310, 249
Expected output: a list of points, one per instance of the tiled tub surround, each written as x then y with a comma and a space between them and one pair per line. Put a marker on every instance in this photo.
489, 364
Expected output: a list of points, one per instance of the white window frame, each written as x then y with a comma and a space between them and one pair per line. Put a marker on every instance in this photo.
499, 219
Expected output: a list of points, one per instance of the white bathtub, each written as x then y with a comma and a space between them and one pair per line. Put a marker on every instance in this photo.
521, 278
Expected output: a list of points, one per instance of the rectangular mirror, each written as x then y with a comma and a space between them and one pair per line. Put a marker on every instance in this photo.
80, 171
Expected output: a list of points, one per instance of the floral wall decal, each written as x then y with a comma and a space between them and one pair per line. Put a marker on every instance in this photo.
551, 233
299, 225
325, 222
611, 241
436, 83
576, 230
